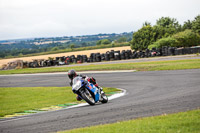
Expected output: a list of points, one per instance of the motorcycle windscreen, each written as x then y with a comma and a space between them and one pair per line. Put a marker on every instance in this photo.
95, 91
77, 83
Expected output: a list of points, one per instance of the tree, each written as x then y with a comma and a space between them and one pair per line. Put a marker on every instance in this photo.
187, 25
158, 33
20, 54
84, 44
142, 38
72, 46
54, 49
196, 24
165, 27
168, 22
105, 41
146, 23
98, 42
122, 39
147, 35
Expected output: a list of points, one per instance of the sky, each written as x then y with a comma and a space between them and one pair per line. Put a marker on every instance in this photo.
56, 18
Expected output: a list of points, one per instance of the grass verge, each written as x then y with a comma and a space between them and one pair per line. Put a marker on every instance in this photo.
19, 99
183, 122
139, 66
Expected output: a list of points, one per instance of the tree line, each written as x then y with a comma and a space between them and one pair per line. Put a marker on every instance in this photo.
167, 32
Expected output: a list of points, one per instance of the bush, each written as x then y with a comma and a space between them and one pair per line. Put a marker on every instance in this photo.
169, 41
152, 46
187, 38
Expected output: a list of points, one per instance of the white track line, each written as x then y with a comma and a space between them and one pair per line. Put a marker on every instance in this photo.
114, 96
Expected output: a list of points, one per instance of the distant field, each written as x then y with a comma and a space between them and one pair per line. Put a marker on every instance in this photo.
88, 52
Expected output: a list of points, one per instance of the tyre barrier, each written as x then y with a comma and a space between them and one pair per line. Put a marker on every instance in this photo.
114, 55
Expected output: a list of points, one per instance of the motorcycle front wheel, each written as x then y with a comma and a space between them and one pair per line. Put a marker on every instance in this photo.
86, 95
104, 97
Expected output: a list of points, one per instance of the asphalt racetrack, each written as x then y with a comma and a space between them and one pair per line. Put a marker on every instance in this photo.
148, 94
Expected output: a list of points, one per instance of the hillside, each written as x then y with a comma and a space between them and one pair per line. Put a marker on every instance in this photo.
18, 47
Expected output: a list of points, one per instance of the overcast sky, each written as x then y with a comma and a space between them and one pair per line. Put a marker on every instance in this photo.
56, 18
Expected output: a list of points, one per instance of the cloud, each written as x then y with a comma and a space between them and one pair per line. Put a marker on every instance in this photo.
43, 18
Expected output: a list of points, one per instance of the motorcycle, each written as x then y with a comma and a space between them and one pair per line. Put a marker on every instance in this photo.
87, 91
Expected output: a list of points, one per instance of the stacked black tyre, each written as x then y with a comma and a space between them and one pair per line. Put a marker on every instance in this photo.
117, 55
112, 55
98, 57
107, 56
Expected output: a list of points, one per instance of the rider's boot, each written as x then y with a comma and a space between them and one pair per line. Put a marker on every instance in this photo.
78, 98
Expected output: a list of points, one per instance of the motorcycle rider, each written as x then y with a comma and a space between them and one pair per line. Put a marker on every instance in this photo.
72, 74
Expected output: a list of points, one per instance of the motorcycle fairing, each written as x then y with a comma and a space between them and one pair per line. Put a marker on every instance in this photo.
95, 90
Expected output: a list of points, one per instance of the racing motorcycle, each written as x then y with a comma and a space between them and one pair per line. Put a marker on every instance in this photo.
87, 91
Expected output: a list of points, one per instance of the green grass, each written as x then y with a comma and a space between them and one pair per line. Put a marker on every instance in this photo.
184, 122
139, 66
19, 99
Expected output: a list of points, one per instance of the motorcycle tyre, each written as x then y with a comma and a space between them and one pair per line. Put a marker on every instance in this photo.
104, 97
85, 97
